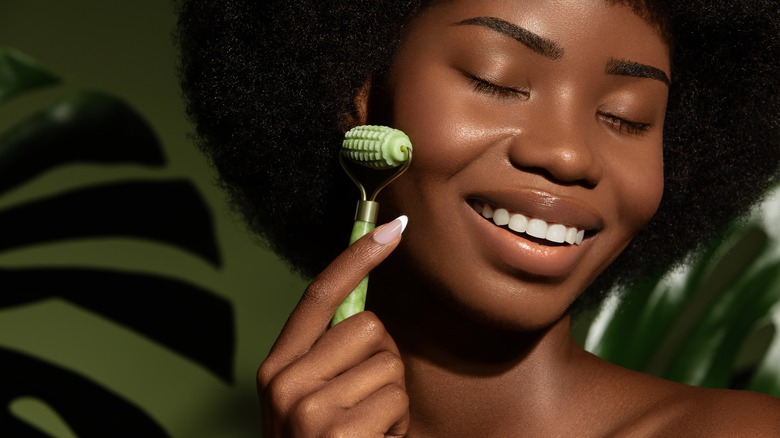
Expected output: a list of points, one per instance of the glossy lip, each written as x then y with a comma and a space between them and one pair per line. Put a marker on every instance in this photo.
543, 205
531, 256
477, 207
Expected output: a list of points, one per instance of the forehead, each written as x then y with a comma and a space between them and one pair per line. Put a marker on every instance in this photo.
653, 11
622, 27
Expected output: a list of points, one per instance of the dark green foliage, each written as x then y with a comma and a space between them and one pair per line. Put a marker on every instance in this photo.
19, 74
96, 128
87, 127
691, 326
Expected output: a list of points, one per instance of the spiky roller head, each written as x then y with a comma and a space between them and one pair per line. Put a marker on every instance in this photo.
378, 147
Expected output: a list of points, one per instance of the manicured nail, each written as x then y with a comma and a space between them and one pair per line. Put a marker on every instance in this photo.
391, 230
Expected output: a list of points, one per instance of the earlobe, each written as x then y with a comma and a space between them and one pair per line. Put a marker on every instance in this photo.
359, 113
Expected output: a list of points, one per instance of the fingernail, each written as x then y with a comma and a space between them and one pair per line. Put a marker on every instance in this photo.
391, 230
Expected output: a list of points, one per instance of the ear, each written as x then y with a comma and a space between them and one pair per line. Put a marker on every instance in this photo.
359, 114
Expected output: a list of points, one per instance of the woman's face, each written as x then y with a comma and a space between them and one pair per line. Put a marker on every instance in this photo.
542, 111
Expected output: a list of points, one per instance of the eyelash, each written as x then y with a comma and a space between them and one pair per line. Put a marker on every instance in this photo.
494, 90
622, 125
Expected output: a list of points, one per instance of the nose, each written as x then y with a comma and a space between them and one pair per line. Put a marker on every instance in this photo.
558, 148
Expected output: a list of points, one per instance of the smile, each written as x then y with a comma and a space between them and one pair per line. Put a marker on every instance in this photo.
534, 227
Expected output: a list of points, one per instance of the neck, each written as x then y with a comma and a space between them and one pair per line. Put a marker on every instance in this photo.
460, 372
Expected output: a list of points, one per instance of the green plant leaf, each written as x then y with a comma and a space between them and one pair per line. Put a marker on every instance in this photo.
766, 377
615, 342
20, 73
98, 412
189, 320
708, 279
87, 126
171, 212
708, 354
646, 326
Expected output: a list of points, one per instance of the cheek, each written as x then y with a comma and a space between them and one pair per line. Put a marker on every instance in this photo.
422, 118
433, 107
641, 187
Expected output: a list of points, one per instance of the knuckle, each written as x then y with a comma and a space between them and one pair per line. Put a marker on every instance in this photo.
271, 388
362, 255
279, 392
265, 374
371, 328
398, 395
354, 255
359, 253
306, 410
391, 362
317, 291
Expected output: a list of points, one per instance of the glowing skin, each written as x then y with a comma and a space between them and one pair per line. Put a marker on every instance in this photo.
524, 106
537, 122
529, 118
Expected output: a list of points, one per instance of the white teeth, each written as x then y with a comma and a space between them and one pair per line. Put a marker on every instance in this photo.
518, 223
571, 235
556, 233
501, 217
487, 212
538, 228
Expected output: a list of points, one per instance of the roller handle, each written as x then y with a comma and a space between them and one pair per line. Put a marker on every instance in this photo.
356, 300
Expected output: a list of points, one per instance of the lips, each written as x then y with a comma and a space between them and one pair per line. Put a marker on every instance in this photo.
534, 232
534, 227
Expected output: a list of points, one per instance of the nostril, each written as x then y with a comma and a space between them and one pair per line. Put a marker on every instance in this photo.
565, 161
546, 174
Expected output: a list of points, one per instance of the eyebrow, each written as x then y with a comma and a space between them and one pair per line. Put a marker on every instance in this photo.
630, 68
539, 44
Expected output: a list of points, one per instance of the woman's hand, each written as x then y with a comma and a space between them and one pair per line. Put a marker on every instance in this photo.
346, 381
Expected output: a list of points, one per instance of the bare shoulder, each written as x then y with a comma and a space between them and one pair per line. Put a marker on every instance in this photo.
685, 410
721, 412
651, 406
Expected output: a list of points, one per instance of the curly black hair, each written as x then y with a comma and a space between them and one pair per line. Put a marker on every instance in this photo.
268, 84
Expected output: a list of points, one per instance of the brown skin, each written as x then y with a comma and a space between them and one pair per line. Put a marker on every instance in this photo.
346, 381
477, 339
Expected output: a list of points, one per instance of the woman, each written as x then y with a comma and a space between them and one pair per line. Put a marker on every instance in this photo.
645, 126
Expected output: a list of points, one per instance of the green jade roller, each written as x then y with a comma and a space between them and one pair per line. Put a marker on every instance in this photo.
377, 147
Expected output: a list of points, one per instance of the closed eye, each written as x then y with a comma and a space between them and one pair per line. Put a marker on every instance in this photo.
622, 125
491, 89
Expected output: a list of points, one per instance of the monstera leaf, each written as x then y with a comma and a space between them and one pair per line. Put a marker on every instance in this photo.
86, 127
24, 376
188, 320
690, 326
19, 74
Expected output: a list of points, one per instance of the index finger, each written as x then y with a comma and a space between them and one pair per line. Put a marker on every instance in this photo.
312, 315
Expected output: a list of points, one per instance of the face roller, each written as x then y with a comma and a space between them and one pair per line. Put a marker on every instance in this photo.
376, 147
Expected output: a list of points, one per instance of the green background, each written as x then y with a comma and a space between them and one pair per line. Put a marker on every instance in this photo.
125, 48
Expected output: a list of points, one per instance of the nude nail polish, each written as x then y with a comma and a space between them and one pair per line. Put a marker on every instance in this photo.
391, 230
